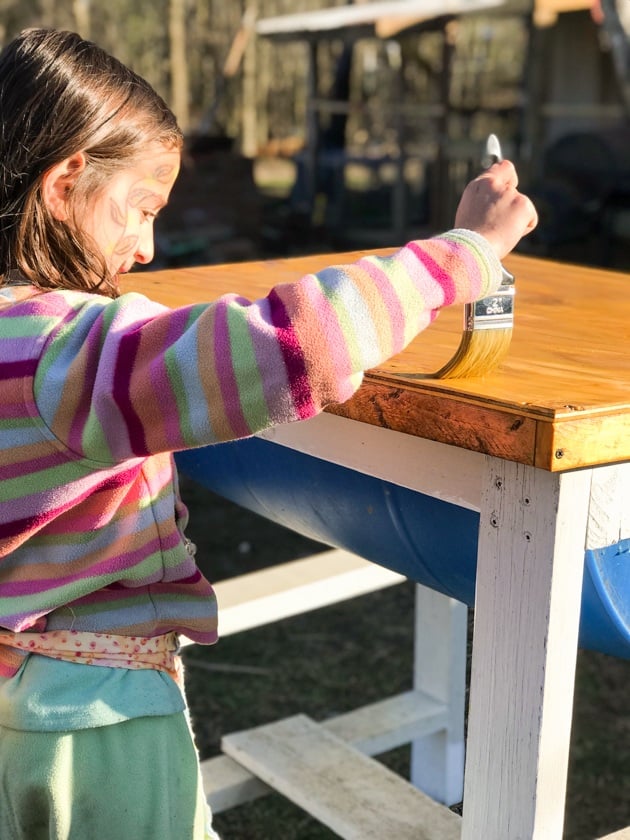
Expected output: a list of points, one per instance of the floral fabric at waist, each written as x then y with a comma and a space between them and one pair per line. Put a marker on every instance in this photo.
158, 653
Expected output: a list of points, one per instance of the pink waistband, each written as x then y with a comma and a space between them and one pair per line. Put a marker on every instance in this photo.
158, 653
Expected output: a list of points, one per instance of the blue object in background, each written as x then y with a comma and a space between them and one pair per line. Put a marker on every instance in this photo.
430, 541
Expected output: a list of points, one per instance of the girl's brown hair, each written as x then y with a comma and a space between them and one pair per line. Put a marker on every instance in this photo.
59, 95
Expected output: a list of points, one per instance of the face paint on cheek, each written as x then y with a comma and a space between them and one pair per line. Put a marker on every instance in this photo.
126, 245
120, 245
164, 174
117, 215
140, 194
143, 191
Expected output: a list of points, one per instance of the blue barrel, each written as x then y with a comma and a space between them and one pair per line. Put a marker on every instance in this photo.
428, 540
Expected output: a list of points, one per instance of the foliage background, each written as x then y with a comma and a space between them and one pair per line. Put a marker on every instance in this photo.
150, 36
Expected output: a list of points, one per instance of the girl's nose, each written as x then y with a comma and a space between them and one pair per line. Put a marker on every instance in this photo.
146, 249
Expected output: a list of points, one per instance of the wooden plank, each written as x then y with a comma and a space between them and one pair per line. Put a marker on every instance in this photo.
546, 11
371, 729
587, 440
227, 784
529, 580
297, 586
441, 631
608, 514
356, 797
447, 473
559, 362
338, 18
563, 5
381, 726
463, 424
562, 367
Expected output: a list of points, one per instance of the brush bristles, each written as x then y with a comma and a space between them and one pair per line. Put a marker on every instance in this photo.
480, 352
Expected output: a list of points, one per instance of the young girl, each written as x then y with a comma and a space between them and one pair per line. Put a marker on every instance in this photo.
98, 389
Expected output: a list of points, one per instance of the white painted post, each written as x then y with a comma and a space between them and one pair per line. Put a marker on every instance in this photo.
609, 515
437, 760
529, 580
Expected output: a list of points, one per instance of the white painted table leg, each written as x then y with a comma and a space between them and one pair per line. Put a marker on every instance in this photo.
437, 760
529, 579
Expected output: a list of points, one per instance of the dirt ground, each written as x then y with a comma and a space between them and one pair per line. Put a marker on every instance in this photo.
340, 657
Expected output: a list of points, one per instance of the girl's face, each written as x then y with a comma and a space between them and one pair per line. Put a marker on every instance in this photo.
120, 219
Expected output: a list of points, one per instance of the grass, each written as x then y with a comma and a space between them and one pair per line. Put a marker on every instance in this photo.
338, 658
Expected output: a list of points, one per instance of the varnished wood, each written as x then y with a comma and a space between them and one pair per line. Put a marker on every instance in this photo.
560, 400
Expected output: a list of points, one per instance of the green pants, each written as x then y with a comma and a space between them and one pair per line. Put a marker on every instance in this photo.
136, 780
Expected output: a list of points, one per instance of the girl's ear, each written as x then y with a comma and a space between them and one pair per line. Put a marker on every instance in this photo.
57, 183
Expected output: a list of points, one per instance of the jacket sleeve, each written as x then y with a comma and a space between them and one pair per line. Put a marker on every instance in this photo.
129, 377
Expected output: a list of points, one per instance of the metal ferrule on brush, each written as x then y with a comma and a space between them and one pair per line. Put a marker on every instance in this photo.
495, 311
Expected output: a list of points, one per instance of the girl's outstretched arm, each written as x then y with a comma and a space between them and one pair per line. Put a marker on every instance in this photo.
128, 377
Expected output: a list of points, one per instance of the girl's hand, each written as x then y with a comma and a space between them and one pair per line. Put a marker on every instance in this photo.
492, 206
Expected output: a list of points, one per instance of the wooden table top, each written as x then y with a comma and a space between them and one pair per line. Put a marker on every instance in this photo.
559, 400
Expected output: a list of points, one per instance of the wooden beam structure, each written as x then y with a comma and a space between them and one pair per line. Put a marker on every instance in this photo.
365, 19
541, 448
556, 402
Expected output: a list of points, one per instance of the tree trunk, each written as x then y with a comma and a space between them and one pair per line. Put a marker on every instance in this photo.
250, 100
81, 10
178, 62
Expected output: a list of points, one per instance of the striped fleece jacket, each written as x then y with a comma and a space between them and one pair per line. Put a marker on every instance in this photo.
95, 395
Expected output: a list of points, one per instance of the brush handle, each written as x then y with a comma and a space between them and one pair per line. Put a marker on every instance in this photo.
493, 153
497, 310
507, 278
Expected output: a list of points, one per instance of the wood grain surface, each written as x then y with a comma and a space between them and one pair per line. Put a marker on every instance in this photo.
560, 399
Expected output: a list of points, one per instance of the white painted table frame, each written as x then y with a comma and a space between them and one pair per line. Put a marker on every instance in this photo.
534, 528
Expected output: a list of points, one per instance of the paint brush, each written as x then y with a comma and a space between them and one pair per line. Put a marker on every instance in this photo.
487, 322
